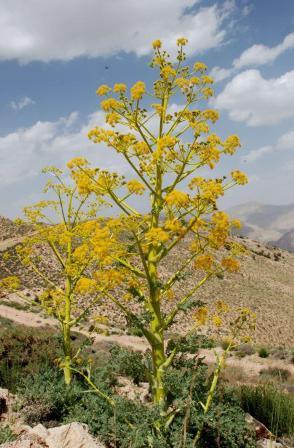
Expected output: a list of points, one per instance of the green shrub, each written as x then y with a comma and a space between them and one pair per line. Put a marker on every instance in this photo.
276, 372
190, 343
46, 400
263, 352
6, 434
244, 350
270, 406
24, 351
128, 363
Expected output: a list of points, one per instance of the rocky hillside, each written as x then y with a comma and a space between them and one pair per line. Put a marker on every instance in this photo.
265, 284
8, 229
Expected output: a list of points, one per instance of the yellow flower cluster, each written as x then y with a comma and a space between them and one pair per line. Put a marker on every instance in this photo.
239, 177
204, 262
231, 144
182, 41
103, 90
156, 44
217, 320
173, 225
157, 235
138, 90
168, 72
201, 315
86, 286
110, 104
200, 67
211, 114
119, 88
9, 283
177, 198
230, 264
109, 278
77, 162
99, 135
136, 187
222, 307
210, 189
112, 118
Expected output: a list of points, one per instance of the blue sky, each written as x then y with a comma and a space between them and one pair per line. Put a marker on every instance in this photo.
53, 56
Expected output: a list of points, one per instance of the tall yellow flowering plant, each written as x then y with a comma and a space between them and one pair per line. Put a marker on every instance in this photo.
67, 250
165, 145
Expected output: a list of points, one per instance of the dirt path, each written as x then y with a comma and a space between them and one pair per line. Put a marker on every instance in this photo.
35, 320
251, 365
9, 242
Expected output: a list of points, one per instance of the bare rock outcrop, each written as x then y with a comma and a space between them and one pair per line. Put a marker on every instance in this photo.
73, 435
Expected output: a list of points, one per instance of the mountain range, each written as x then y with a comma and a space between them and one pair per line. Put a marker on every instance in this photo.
272, 224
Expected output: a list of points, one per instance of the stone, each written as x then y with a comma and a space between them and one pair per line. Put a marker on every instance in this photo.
73, 435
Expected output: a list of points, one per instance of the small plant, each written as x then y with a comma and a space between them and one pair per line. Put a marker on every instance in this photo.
128, 363
23, 351
67, 230
277, 373
244, 350
6, 434
270, 406
263, 352
191, 343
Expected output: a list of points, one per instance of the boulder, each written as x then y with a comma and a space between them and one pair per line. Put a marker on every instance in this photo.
73, 435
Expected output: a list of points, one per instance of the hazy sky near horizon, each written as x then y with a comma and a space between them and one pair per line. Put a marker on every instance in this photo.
54, 54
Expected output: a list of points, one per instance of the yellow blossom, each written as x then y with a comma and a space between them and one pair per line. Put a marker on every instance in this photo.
157, 235
211, 115
103, 90
200, 67
177, 198
138, 90
230, 264
217, 320
195, 80
156, 44
204, 262
136, 187
201, 315
119, 88
85, 286
77, 162
110, 103
182, 41
236, 223
10, 283
231, 144
239, 177
112, 118
207, 92
168, 72
222, 307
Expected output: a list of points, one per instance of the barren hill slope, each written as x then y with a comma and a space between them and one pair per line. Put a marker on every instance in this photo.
265, 284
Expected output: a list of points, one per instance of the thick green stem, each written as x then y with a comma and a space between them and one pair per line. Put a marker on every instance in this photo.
67, 353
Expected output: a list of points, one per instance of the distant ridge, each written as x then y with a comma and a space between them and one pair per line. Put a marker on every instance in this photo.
267, 223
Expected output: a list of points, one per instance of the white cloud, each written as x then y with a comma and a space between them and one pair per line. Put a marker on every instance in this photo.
26, 151
257, 101
258, 55
22, 103
256, 154
219, 73
42, 30
285, 142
